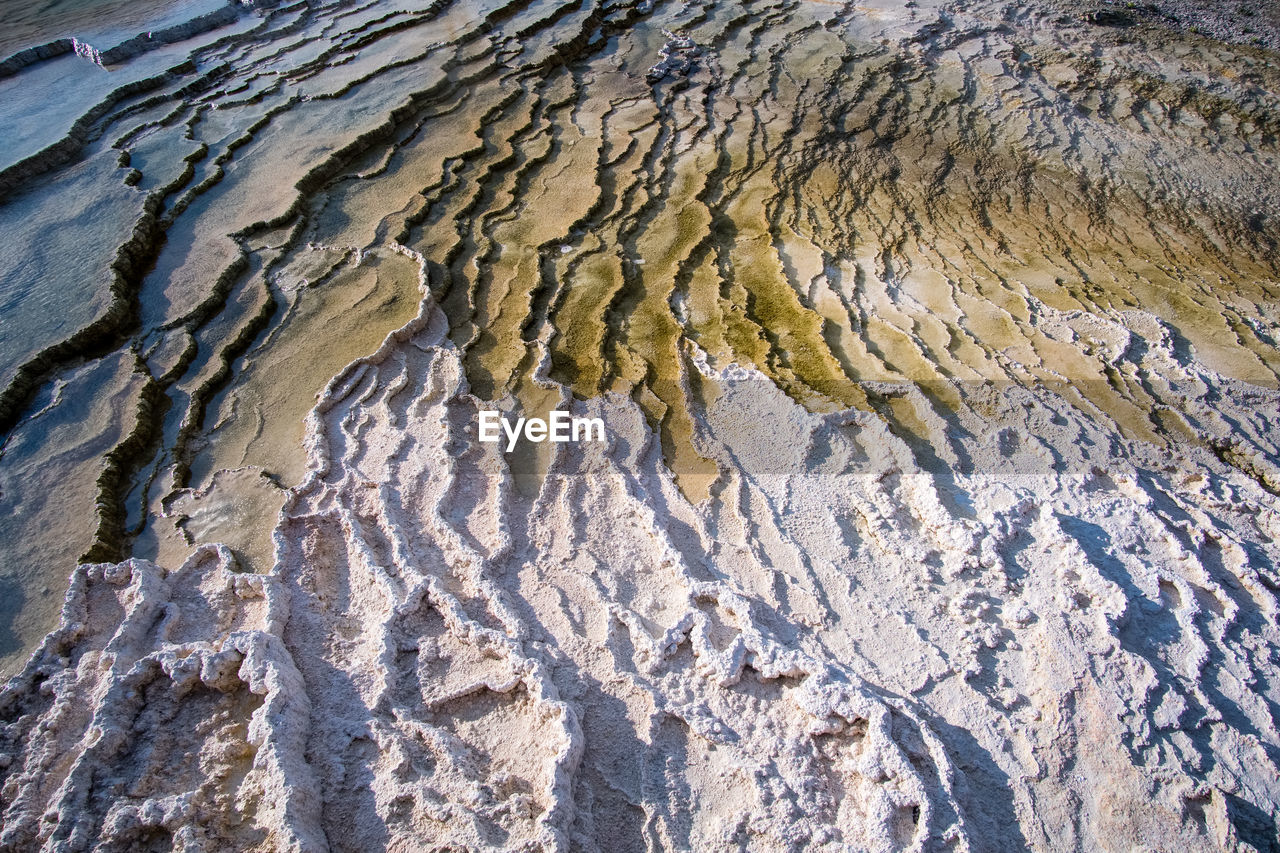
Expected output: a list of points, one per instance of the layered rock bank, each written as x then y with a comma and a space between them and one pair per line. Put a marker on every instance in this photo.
936, 346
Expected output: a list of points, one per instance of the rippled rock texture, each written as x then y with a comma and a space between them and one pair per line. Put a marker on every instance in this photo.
937, 349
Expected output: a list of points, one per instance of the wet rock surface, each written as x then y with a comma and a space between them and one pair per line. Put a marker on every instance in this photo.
937, 349
1243, 22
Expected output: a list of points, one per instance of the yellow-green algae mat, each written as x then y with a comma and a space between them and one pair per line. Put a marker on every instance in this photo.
836, 196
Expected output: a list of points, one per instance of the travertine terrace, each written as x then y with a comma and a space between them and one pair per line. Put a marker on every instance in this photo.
937, 349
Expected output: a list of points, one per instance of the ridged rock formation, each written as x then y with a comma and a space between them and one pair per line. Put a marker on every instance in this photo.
937, 349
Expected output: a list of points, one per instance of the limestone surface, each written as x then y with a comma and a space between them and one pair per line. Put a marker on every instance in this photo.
936, 348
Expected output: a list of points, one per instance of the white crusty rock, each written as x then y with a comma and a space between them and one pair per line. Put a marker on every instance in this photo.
444, 662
